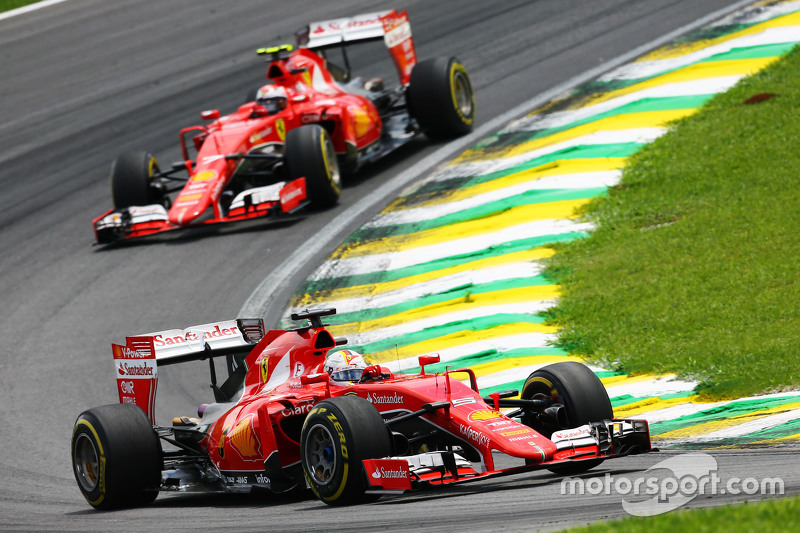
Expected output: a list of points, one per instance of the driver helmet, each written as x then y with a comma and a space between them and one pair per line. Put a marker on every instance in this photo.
272, 97
345, 365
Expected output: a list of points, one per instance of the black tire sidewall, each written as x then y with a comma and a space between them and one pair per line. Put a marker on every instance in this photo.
305, 156
581, 392
131, 176
431, 98
362, 435
129, 454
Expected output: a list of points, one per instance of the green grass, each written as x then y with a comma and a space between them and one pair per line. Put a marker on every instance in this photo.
695, 264
762, 517
8, 5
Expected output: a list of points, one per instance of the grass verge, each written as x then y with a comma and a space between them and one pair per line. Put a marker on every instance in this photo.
8, 5
772, 515
693, 267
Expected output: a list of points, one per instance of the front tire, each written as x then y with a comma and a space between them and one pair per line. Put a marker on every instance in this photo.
132, 180
116, 457
309, 153
337, 435
580, 391
441, 99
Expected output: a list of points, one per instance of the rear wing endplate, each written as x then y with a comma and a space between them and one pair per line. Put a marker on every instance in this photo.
391, 26
138, 360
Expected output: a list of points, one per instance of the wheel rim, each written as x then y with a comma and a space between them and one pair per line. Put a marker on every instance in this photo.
86, 462
320, 459
462, 91
331, 162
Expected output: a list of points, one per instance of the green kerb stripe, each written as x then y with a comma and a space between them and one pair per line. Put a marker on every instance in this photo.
482, 211
475, 324
372, 278
462, 292
720, 413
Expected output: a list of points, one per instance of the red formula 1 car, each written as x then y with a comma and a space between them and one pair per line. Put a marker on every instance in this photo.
283, 149
280, 422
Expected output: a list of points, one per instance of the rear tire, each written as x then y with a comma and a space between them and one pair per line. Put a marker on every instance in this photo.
116, 457
337, 435
441, 99
131, 180
309, 153
580, 391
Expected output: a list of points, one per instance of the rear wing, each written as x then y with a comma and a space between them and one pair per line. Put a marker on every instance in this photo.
391, 26
138, 360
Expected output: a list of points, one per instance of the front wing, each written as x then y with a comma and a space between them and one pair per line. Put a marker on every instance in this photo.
608, 439
274, 200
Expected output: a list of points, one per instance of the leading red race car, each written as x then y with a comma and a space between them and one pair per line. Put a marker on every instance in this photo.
281, 422
283, 149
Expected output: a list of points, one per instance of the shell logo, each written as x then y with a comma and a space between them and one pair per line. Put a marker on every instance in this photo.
243, 439
484, 414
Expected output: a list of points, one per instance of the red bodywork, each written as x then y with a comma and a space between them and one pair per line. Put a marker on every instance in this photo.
253, 437
212, 152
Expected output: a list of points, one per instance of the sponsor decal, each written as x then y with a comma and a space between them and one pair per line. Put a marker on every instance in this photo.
382, 473
474, 435
221, 445
258, 137
243, 439
280, 128
342, 439
388, 474
126, 387
300, 409
299, 368
124, 352
140, 369
192, 336
515, 432
463, 401
484, 414
500, 423
204, 175
583, 431
264, 365
379, 399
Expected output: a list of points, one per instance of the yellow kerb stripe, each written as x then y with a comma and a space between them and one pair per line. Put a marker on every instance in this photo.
453, 340
471, 228
365, 291
673, 51
716, 425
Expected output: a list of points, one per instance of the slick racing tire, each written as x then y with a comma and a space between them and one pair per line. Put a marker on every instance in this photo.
116, 457
132, 178
337, 435
580, 391
309, 153
441, 99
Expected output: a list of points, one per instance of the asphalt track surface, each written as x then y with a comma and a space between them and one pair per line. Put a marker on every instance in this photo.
84, 80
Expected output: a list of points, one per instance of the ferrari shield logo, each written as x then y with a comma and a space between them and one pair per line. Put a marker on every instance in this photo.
280, 128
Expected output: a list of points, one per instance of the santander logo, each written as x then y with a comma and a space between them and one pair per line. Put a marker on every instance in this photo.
143, 369
383, 473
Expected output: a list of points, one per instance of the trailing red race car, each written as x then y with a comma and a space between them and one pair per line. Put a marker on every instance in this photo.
285, 147
290, 415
